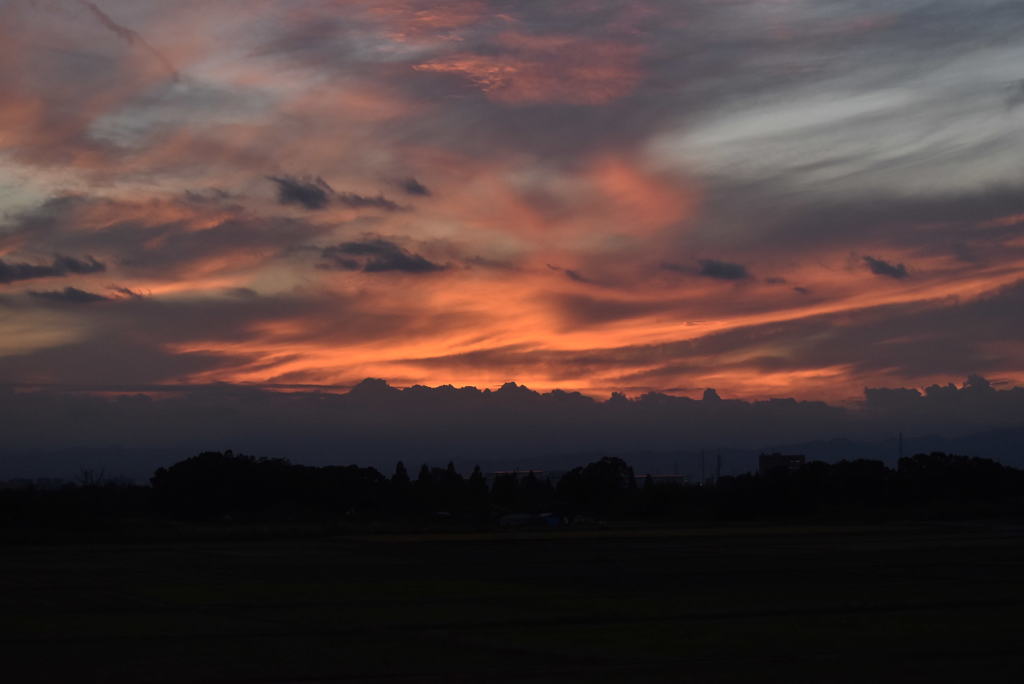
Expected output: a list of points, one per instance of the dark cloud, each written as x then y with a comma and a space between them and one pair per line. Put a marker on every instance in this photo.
207, 196
722, 270
69, 295
60, 266
316, 193
376, 255
127, 292
710, 268
484, 262
411, 186
65, 265
571, 274
128, 230
881, 267
351, 199
312, 194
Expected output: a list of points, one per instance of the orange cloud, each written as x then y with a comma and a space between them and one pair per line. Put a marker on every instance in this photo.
419, 21
548, 69
638, 199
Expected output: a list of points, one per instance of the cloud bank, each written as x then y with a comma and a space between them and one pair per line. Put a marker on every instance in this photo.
376, 424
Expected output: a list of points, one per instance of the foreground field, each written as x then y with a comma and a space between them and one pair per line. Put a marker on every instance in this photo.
907, 604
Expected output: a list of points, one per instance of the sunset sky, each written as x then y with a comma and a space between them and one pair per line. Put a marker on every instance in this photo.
769, 197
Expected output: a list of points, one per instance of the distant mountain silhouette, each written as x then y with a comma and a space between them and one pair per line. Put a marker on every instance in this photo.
52, 433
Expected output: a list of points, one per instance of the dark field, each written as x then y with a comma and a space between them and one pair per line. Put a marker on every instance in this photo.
906, 604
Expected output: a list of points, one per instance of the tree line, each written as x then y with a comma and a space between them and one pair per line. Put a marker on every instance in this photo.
220, 486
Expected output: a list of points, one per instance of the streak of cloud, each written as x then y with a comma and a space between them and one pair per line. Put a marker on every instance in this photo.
69, 295
722, 270
60, 266
376, 255
356, 201
131, 37
315, 194
312, 194
881, 267
571, 274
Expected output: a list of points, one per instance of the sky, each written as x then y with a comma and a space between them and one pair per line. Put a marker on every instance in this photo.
773, 198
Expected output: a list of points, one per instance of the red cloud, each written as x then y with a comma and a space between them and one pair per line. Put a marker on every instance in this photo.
548, 69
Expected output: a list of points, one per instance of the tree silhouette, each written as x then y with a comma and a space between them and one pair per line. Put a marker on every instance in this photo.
477, 495
400, 500
505, 491
425, 491
936, 485
598, 487
401, 477
451, 490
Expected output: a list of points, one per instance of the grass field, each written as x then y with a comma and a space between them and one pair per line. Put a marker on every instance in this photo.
846, 604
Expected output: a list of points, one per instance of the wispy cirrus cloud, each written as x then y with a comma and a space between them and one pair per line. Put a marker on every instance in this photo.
722, 270
132, 37
69, 295
59, 266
